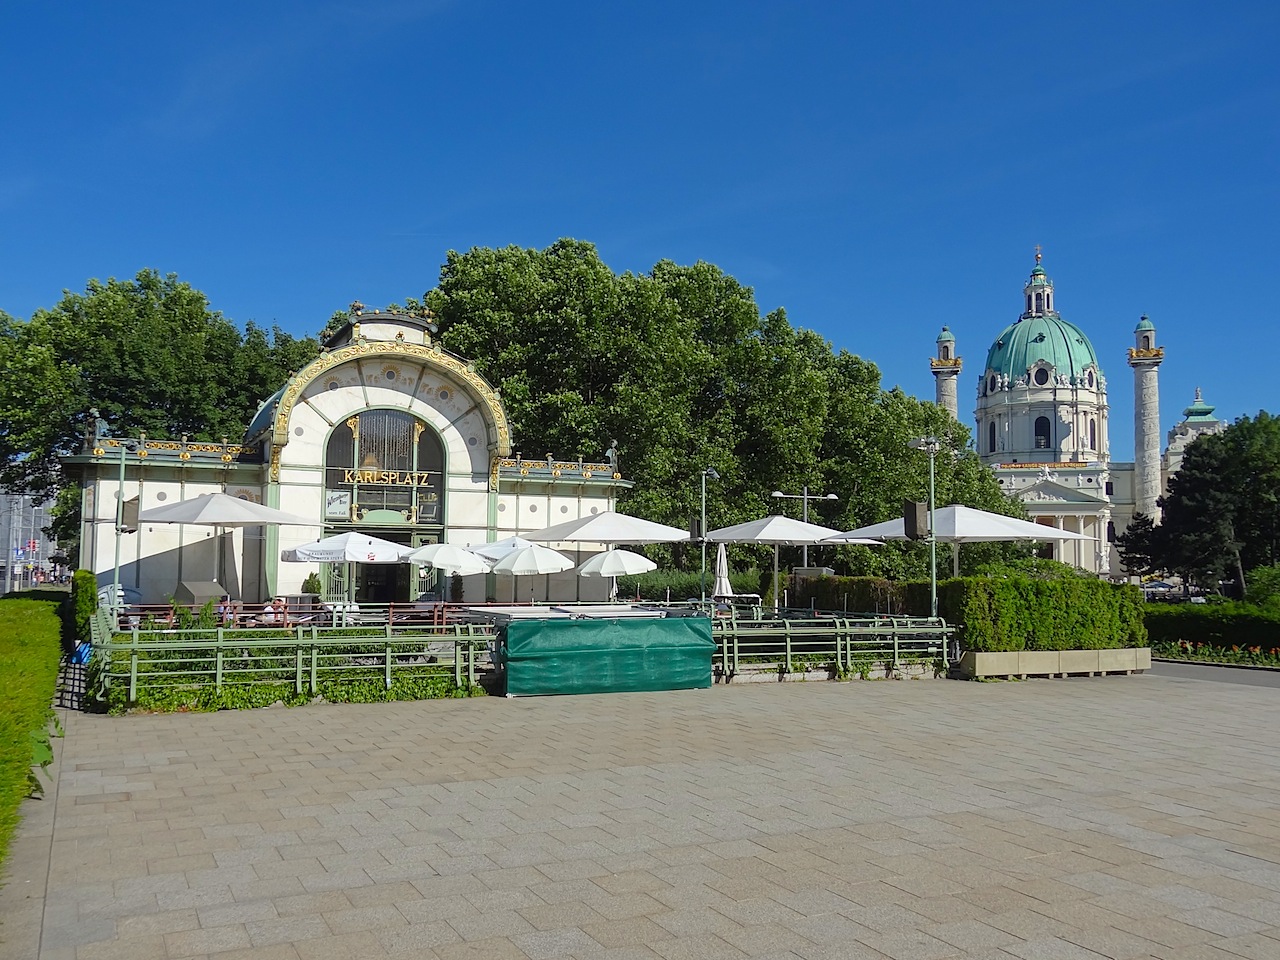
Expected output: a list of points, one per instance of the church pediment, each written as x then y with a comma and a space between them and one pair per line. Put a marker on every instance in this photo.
1048, 491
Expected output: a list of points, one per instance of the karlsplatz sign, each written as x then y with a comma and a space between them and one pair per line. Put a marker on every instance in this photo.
390, 478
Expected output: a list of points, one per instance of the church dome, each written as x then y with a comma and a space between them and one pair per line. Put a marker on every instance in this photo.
1045, 338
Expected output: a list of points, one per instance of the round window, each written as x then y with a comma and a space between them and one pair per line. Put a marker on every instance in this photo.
1042, 377
1089, 380
991, 384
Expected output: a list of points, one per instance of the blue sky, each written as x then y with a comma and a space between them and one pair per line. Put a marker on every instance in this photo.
877, 169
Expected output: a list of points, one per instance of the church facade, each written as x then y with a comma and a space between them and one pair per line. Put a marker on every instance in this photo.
385, 433
1042, 424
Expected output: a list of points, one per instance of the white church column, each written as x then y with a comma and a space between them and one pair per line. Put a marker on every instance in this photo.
1145, 358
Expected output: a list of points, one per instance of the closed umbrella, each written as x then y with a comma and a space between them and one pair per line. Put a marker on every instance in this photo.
722, 587
449, 558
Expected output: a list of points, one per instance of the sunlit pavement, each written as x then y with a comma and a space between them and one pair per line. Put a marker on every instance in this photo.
1112, 817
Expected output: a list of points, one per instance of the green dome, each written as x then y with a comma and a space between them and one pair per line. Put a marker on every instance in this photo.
1144, 324
946, 336
1046, 338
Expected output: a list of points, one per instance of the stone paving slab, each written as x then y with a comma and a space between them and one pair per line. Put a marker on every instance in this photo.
1118, 818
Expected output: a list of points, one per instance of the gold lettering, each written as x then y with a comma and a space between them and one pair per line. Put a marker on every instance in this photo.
348, 476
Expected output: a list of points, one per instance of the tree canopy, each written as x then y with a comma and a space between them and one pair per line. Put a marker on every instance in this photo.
681, 369
677, 365
1221, 515
149, 353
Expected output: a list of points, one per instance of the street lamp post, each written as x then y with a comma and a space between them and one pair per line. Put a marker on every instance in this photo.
806, 496
931, 446
116, 598
702, 530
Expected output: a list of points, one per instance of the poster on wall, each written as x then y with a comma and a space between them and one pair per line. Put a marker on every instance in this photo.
337, 504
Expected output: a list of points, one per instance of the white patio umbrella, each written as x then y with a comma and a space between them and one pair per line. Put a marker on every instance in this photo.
500, 548
449, 558
221, 510
721, 587
957, 524
531, 560
609, 527
778, 531
615, 564
349, 547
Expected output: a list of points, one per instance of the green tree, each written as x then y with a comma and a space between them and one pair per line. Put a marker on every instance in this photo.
1221, 515
1139, 546
680, 367
150, 354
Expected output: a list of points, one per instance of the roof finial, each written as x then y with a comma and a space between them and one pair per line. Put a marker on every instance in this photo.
1199, 399
1037, 254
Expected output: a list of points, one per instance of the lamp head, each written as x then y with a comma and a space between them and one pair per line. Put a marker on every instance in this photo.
777, 493
710, 473
831, 496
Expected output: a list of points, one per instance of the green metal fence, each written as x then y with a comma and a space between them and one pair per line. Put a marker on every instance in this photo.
307, 656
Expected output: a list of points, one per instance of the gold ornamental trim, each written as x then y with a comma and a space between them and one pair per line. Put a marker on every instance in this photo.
939, 364
1149, 353
429, 356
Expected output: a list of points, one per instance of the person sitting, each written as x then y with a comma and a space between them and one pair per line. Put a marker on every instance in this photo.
274, 611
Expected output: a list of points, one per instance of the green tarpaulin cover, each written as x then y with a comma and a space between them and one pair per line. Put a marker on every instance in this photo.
606, 656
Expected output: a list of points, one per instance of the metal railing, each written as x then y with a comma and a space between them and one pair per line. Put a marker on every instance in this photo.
455, 642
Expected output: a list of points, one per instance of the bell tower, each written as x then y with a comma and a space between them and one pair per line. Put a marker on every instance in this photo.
946, 370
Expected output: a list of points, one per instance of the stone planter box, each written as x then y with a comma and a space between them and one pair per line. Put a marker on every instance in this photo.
1054, 663
769, 673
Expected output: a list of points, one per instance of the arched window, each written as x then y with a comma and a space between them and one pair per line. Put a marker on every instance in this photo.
991, 437
1028, 303
1093, 434
946, 352
381, 463
1042, 433
1039, 302
1146, 341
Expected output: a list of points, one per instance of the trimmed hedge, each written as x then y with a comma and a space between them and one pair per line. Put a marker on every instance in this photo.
1224, 625
30, 648
84, 602
998, 613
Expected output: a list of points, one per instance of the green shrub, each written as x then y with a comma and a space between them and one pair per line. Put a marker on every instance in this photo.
1264, 587
997, 613
312, 584
84, 602
1223, 625
29, 650
679, 585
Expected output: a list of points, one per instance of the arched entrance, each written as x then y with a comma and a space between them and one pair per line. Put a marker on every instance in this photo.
384, 475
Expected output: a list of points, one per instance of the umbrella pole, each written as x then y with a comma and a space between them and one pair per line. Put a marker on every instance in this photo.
955, 558
775, 578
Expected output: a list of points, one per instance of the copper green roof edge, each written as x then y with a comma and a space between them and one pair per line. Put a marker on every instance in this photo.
1064, 346
1144, 324
946, 336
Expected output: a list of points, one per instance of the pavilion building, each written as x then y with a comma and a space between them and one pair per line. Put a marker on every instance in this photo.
385, 433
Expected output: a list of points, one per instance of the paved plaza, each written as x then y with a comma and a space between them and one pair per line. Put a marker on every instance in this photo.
914, 820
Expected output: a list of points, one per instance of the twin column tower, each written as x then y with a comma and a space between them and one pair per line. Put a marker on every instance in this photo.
1145, 359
